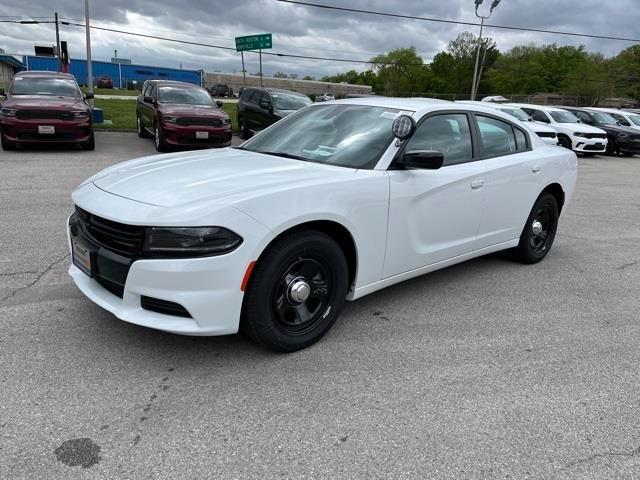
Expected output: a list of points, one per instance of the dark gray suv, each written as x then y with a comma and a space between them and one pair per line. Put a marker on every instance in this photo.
260, 107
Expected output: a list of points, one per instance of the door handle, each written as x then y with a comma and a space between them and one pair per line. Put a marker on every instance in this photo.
535, 168
477, 184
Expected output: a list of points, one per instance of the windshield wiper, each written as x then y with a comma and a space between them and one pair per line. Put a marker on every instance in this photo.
283, 155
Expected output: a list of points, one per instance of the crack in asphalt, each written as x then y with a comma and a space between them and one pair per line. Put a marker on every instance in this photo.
627, 265
595, 456
37, 279
10, 274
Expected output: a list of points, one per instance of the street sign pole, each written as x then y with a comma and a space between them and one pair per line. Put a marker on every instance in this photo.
253, 43
58, 53
244, 73
260, 52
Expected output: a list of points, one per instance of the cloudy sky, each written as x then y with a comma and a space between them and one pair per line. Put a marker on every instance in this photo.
305, 30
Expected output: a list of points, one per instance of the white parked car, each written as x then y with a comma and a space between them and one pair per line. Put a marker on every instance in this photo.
624, 118
547, 134
333, 202
572, 134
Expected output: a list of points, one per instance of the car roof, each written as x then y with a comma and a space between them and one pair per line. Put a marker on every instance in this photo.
608, 110
409, 103
43, 73
544, 108
172, 82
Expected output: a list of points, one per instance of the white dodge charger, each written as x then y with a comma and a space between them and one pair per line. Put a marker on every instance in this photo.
332, 203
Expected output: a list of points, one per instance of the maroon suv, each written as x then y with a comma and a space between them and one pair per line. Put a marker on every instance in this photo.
45, 107
181, 115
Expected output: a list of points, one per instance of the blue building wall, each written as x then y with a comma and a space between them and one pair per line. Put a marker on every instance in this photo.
119, 73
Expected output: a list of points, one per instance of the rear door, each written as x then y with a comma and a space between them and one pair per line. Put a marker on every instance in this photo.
513, 177
434, 214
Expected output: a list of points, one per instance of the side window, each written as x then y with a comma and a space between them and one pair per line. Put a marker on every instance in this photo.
621, 119
496, 136
583, 116
246, 95
446, 133
147, 90
539, 116
257, 95
521, 139
152, 91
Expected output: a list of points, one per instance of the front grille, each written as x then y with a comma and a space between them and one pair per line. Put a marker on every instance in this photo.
546, 134
43, 114
163, 306
212, 122
123, 239
596, 135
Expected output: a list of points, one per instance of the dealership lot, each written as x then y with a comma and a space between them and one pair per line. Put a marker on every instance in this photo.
486, 369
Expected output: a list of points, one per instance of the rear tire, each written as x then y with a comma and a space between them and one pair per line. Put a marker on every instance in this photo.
142, 131
296, 292
539, 231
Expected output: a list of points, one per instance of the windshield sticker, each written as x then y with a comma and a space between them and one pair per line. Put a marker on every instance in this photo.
389, 115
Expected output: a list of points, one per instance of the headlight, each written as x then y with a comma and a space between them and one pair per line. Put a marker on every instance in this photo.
580, 134
226, 121
169, 119
9, 112
190, 241
83, 114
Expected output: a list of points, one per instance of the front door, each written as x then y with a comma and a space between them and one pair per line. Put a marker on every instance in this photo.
434, 214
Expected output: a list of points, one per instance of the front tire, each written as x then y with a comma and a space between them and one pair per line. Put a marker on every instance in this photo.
7, 145
158, 140
142, 131
90, 144
539, 231
564, 141
244, 129
296, 292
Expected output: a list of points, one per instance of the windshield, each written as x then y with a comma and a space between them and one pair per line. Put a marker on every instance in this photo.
184, 95
56, 87
353, 136
285, 101
601, 118
516, 112
561, 116
635, 119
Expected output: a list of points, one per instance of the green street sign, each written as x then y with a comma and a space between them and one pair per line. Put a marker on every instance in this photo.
253, 42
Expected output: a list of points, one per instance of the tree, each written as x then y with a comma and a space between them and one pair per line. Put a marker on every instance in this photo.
280, 75
589, 79
452, 70
399, 71
308, 77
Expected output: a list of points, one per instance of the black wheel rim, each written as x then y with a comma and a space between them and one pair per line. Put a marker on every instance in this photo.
541, 229
297, 316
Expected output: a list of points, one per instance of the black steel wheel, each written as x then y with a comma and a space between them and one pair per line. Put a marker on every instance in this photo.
540, 230
295, 292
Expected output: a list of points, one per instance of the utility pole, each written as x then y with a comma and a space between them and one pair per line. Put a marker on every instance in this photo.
88, 36
244, 73
58, 52
495, 3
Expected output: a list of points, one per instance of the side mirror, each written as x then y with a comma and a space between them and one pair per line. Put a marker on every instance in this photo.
148, 99
423, 159
88, 95
219, 104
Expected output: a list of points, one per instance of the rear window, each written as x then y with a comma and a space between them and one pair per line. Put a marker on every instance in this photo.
50, 86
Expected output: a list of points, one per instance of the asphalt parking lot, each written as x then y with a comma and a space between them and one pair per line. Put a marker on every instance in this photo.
488, 369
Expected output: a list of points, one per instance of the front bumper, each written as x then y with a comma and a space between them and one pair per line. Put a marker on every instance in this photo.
208, 288
187, 136
26, 131
589, 145
628, 146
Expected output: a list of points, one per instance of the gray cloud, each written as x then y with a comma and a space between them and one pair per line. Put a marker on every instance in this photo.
305, 30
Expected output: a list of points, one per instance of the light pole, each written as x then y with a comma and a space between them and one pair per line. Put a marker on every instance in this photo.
88, 36
474, 86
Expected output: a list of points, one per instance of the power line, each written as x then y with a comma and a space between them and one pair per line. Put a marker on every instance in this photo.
458, 22
222, 47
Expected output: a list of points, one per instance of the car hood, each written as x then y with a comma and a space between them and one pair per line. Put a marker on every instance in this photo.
618, 129
43, 101
222, 176
538, 127
192, 110
580, 127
